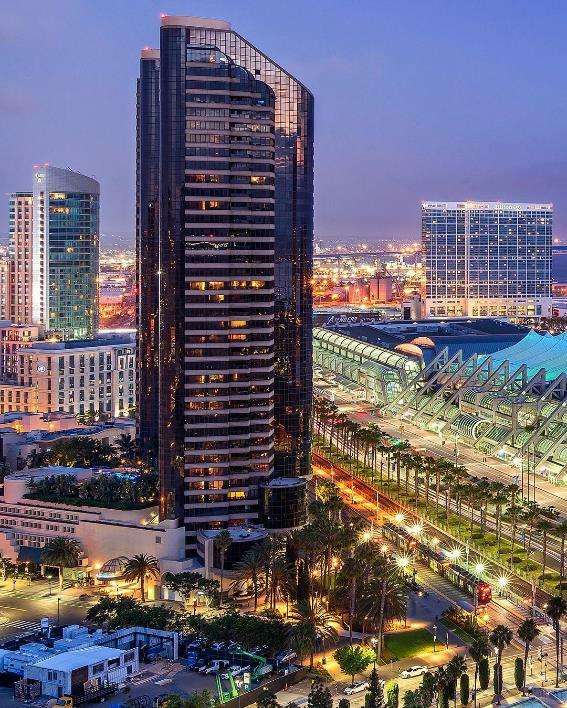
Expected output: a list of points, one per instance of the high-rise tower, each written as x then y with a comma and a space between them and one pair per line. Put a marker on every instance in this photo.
487, 258
65, 252
21, 234
233, 272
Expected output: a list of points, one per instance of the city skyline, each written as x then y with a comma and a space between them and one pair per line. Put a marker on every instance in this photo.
452, 130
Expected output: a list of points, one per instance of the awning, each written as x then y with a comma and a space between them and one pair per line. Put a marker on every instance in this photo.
29, 554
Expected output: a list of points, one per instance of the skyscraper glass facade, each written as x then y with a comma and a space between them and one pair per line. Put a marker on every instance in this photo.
487, 259
236, 225
65, 252
147, 255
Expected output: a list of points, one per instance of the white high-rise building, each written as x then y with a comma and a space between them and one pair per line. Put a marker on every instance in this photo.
487, 259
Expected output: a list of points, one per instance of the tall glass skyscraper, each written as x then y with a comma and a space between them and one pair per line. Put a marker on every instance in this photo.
487, 259
65, 252
232, 263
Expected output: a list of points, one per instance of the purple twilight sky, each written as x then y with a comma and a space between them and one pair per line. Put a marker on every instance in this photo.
414, 100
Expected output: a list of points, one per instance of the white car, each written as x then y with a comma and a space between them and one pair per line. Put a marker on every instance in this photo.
231, 670
414, 671
357, 687
241, 670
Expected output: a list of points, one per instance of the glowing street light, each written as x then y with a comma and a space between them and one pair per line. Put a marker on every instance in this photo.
399, 518
479, 568
402, 562
434, 541
384, 548
455, 553
365, 536
416, 529
503, 581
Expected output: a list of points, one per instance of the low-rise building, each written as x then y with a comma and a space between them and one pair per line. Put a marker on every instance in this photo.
26, 525
82, 671
74, 376
83, 664
16, 446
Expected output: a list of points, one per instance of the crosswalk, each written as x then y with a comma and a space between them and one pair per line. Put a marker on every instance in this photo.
14, 629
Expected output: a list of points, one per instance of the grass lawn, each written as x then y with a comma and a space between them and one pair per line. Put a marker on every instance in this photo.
404, 645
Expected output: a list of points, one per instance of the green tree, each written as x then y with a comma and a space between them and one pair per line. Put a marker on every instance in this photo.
484, 673
127, 449
198, 699
519, 674
375, 693
393, 696
311, 627
319, 696
267, 699
222, 542
478, 651
61, 552
527, 632
353, 660
140, 567
555, 610
464, 689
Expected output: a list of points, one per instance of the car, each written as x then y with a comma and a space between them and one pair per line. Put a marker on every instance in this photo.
285, 656
414, 671
231, 670
299, 703
218, 646
199, 664
357, 687
241, 670
214, 667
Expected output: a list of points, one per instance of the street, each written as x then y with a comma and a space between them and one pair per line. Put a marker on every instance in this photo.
22, 608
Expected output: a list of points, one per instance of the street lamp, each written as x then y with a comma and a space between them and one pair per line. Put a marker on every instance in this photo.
399, 518
58, 610
455, 554
49, 577
502, 583
434, 628
374, 642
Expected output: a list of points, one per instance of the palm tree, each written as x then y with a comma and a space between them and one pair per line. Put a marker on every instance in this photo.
383, 597
527, 632
478, 650
545, 526
310, 629
127, 448
561, 533
61, 552
555, 610
251, 568
222, 542
500, 638
140, 567
456, 667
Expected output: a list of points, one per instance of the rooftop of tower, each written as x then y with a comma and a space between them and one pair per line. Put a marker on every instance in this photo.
189, 21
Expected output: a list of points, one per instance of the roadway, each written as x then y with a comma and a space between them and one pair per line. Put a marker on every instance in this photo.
23, 607
494, 469
360, 500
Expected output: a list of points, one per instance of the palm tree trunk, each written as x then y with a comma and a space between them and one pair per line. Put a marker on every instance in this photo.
562, 565
381, 618
557, 630
475, 681
142, 588
60, 568
526, 652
